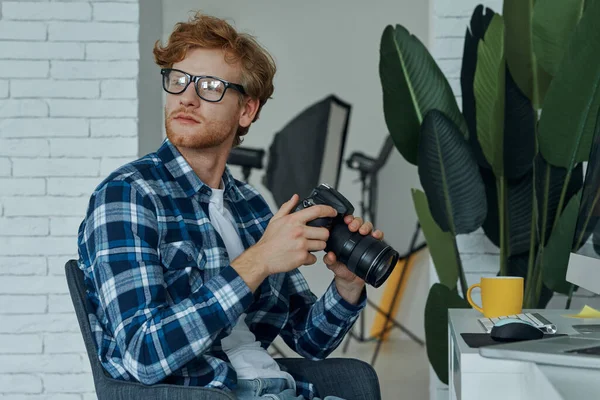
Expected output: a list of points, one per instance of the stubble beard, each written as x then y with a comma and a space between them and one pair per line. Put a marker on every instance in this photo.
203, 135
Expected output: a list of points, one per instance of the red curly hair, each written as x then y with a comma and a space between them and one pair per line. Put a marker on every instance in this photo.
203, 31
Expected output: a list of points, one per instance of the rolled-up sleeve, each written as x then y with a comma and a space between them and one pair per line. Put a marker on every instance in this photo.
316, 327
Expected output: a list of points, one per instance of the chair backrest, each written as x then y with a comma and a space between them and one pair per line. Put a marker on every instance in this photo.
78, 296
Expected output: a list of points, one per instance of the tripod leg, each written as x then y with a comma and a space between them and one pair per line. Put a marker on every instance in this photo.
364, 210
388, 315
396, 324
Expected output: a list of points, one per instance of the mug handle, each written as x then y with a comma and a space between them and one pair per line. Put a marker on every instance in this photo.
470, 300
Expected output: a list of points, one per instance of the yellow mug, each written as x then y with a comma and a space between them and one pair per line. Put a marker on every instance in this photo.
500, 295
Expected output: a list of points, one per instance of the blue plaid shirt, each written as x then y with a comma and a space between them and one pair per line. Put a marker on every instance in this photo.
158, 275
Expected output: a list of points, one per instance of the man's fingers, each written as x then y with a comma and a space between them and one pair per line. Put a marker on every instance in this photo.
329, 258
310, 259
286, 207
314, 212
316, 245
378, 234
366, 228
312, 232
354, 225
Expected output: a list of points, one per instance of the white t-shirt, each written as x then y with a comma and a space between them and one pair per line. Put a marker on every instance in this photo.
248, 358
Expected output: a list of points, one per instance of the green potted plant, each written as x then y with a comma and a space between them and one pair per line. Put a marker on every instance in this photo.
511, 161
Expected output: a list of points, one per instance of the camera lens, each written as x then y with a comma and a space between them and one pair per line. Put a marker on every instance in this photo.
371, 259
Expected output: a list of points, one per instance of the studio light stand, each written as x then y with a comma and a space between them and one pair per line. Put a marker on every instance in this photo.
367, 168
246, 158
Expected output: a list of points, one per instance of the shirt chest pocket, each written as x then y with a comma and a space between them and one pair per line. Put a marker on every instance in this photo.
183, 265
180, 255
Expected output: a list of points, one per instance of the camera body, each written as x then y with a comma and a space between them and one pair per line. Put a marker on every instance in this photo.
371, 259
325, 194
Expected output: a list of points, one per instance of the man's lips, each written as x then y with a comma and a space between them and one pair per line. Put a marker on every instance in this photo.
186, 119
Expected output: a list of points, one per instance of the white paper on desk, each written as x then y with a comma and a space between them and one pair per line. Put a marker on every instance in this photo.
586, 312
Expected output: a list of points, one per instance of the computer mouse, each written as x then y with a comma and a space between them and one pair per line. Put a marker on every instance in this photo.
515, 329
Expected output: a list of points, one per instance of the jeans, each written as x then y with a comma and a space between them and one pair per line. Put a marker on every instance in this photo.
269, 388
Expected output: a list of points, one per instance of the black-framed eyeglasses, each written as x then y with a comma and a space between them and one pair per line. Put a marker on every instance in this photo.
209, 88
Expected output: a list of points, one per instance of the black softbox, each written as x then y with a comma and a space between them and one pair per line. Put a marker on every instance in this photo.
308, 150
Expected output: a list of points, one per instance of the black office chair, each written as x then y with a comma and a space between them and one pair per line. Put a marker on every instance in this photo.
355, 379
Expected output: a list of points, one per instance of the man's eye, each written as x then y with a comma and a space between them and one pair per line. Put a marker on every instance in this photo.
212, 86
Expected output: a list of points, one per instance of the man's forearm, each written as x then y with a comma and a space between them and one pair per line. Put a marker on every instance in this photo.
250, 268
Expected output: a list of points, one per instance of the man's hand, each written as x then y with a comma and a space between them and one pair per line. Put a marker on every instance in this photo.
286, 243
348, 284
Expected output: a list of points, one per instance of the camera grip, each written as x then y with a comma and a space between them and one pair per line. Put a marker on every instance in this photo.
321, 223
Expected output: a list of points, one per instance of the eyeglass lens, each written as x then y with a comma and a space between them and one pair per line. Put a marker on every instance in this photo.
210, 89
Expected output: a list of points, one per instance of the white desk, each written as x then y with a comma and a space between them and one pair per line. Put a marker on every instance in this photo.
472, 376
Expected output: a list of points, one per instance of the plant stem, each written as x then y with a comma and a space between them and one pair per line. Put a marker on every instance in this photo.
538, 279
461, 270
535, 286
503, 236
530, 270
530, 290
532, 244
570, 297
536, 85
563, 195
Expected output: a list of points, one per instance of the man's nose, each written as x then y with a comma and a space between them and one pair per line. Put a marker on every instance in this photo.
189, 97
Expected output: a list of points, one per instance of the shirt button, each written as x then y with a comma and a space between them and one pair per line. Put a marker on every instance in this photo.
190, 258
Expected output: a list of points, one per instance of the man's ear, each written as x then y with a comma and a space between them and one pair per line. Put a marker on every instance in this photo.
248, 111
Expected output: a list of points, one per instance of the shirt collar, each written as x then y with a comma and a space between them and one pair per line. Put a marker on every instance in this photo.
187, 179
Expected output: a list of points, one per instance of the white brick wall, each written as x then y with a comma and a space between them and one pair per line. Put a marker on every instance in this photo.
68, 117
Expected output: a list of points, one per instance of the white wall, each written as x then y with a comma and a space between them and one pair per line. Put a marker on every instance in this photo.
68, 116
322, 48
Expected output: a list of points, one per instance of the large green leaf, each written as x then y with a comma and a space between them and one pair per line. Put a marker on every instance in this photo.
519, 131
519, 49
519, 209
568, 119
450, 176
489, 94
549, 183
553, 24
439, 301
558, 249
412, 85
520, 58
491, 224
441, 244
480, 20
520, 212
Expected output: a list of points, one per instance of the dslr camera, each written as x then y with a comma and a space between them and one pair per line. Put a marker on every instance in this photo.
371, 259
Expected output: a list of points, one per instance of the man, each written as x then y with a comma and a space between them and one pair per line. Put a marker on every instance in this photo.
191, 276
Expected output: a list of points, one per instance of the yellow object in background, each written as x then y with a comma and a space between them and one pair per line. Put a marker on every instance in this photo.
500, 296
388, 296
586, 312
